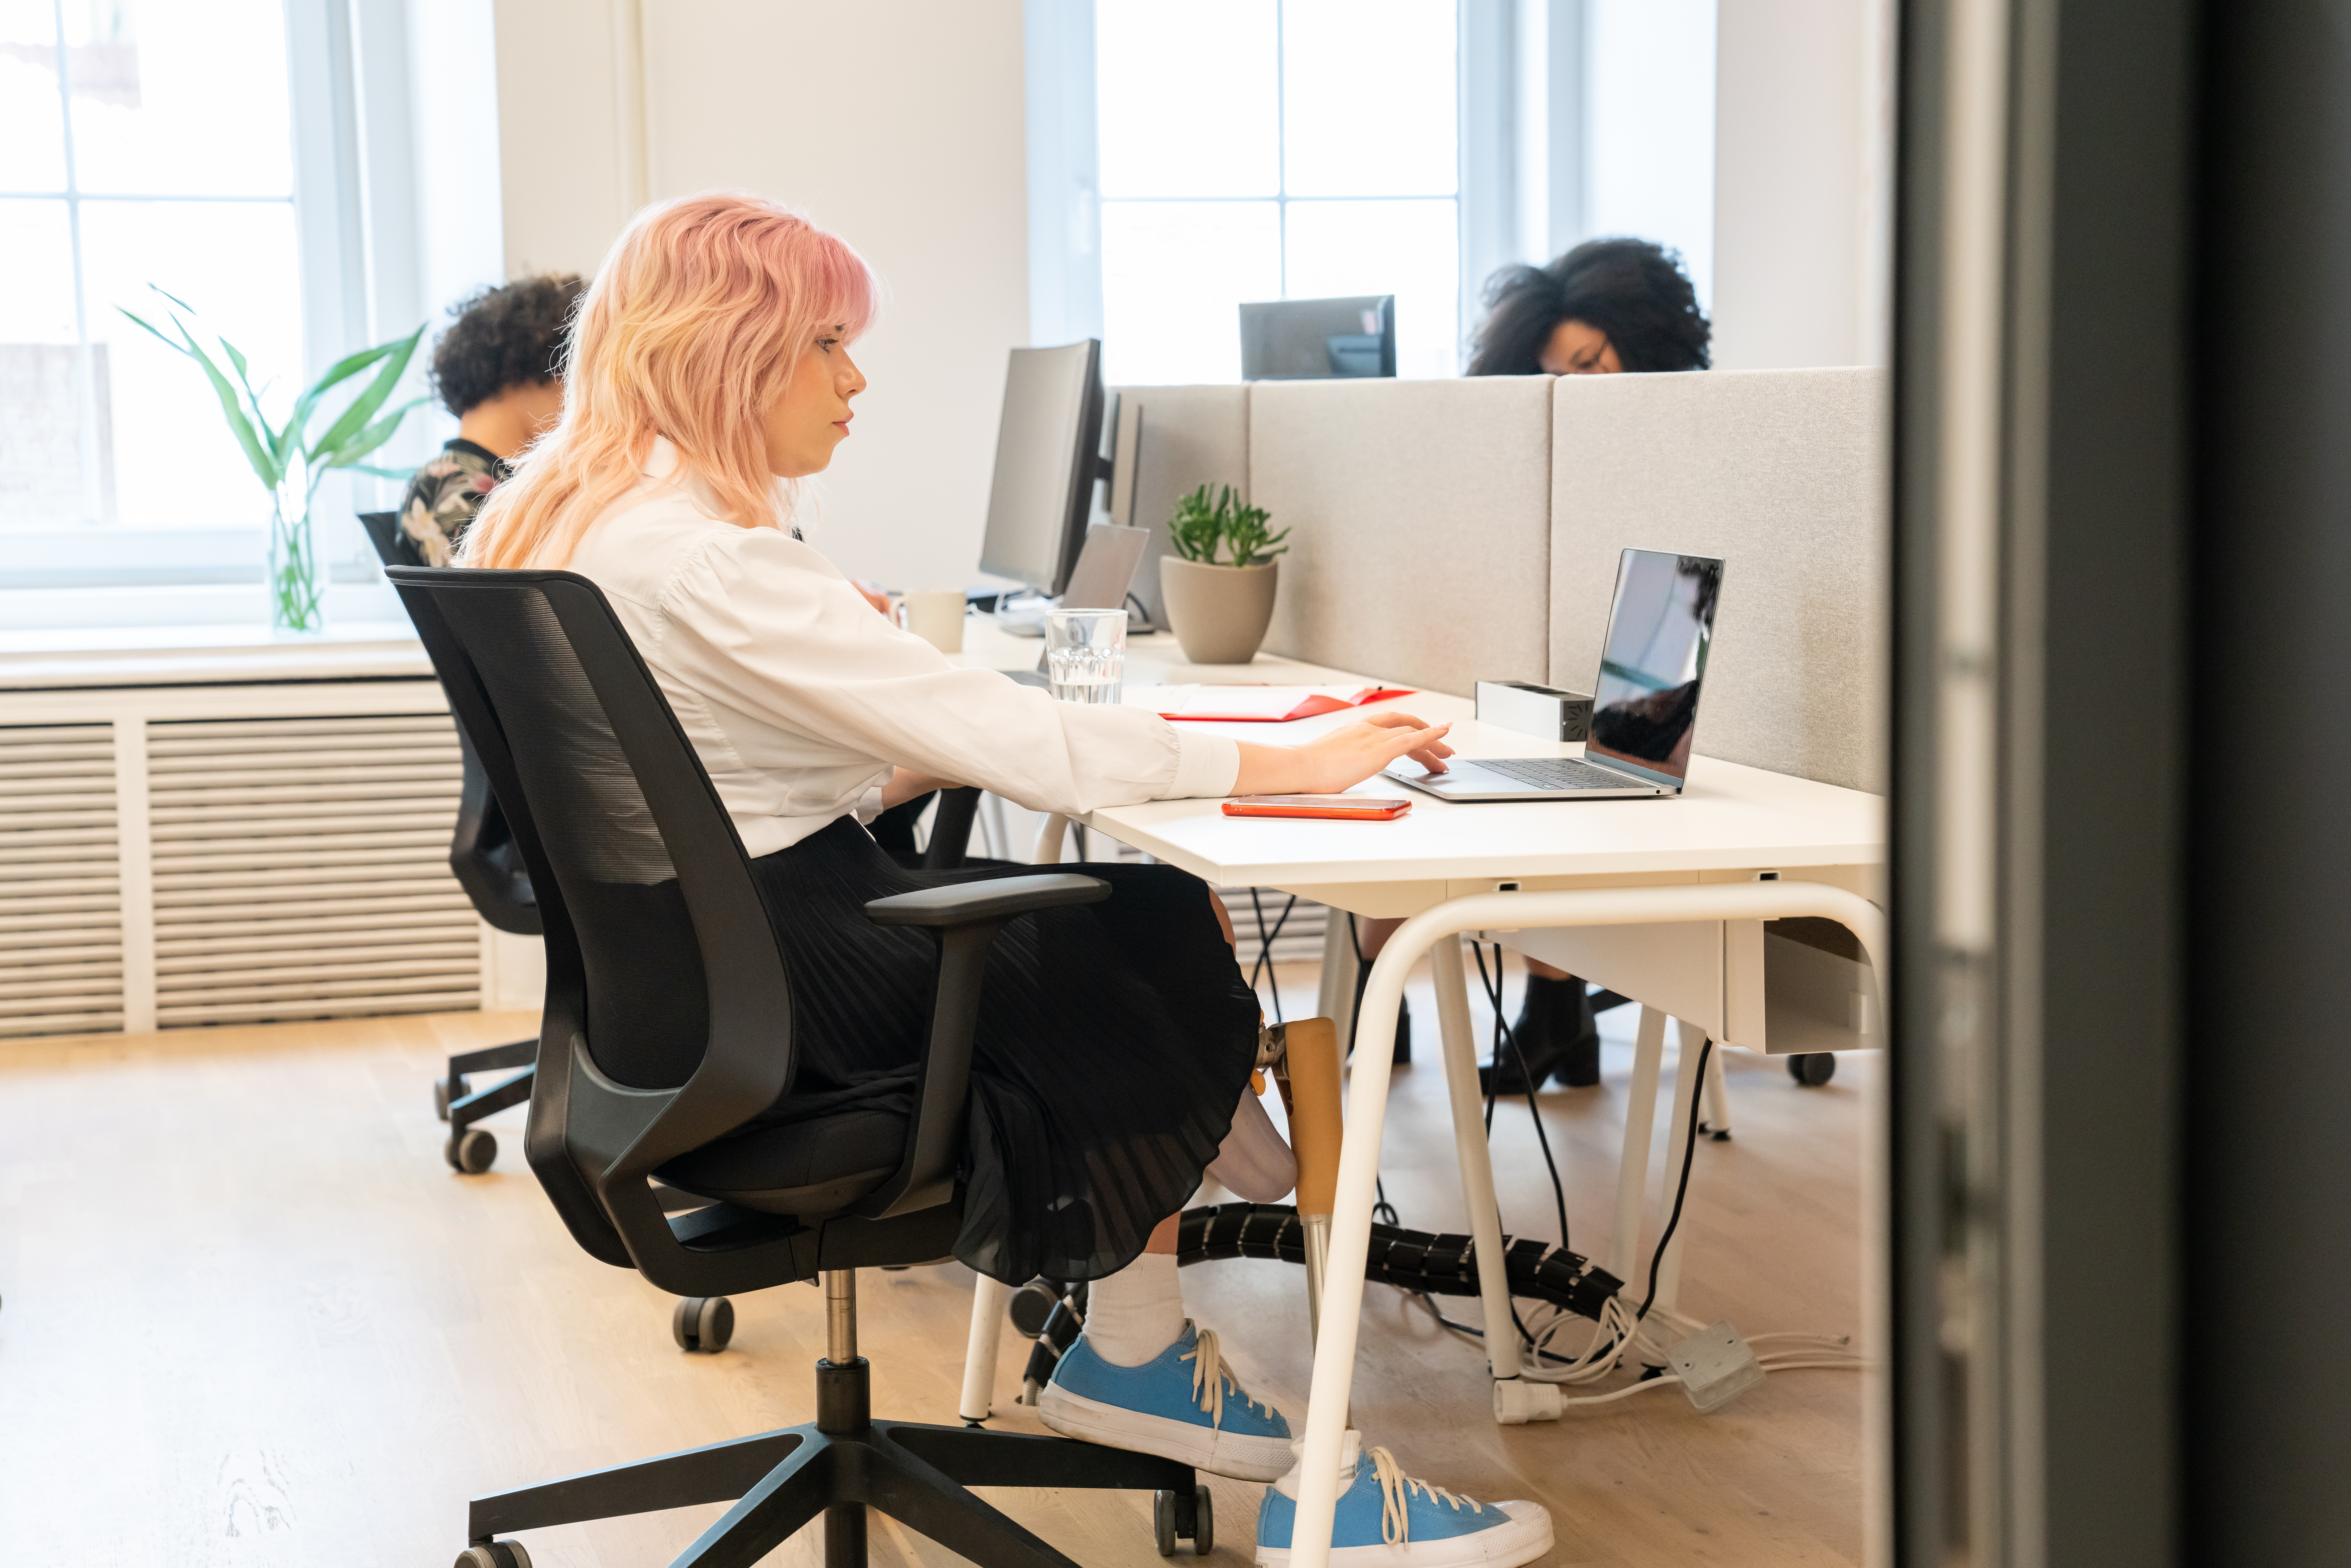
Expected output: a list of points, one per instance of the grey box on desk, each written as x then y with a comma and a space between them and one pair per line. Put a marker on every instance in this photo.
1531, 709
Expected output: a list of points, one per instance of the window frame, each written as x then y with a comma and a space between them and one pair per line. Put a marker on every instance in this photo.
353, 204
1520, 143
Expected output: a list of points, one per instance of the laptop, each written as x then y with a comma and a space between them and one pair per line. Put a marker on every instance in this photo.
1643, 700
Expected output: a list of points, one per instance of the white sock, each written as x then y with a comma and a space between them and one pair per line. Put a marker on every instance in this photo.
1136, 1313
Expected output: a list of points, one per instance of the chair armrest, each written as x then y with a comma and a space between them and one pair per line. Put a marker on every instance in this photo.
996, 898
963, 920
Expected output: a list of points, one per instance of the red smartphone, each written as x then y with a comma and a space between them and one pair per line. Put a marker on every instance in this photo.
1345, 808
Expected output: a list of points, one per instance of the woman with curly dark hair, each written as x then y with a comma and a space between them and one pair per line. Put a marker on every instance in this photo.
1605, 306
497, 369
1608, 305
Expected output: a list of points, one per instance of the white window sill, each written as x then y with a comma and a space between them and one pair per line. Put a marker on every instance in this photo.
66, 615
144, 636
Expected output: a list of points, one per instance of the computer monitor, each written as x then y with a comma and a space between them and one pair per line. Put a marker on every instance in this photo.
1316, 340
1047, 459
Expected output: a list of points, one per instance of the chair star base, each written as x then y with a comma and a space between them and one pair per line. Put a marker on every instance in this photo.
839, 1466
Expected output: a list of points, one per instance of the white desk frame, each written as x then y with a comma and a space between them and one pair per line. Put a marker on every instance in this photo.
1441, 870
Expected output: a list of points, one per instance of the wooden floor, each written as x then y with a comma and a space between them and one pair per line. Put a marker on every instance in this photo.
251, 1318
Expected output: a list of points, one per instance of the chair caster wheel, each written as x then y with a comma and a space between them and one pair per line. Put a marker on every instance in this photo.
1175, 1516
444, 1091
471, 1152
1813, 1067
702, 1325
1031, 1306
495, 1554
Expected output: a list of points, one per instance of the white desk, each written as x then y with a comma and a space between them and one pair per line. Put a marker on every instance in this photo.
1692, 866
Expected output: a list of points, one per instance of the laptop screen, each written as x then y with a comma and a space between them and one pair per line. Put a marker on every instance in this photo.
1644, 699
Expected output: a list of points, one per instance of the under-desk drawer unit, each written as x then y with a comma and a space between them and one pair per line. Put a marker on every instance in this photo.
229, 854
1786, 987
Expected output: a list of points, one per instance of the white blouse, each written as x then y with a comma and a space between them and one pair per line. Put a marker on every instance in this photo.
798, 699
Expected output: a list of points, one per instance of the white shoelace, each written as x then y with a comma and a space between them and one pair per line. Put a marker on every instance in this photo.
1211, 1377
1395, 1494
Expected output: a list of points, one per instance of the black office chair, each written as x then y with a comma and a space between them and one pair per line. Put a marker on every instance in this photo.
670, 1000
482, 855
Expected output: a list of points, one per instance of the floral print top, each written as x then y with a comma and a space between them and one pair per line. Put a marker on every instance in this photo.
444, 495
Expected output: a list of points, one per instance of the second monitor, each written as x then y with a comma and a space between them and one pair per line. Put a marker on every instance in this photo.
1047, 459
1318, 339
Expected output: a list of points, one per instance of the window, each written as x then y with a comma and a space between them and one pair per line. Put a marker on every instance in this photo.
1258, 150
139, 144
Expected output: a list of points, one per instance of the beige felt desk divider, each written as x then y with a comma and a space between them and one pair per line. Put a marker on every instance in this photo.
1782, 474
1420, 519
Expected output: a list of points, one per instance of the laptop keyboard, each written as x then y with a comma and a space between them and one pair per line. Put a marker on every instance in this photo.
1555, 773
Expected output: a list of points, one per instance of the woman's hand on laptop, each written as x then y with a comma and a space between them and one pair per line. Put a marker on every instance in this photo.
1345, 757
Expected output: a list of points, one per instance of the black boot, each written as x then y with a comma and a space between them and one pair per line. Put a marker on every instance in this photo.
1555, 1036
1579, 1067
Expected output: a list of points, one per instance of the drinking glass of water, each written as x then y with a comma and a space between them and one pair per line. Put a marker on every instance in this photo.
1085, 654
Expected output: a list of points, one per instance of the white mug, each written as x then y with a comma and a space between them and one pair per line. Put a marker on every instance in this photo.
935, 615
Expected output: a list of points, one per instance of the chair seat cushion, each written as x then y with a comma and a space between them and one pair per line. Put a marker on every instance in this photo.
812, 1167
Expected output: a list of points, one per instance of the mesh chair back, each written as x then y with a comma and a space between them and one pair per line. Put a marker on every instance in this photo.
482, 852
644, 858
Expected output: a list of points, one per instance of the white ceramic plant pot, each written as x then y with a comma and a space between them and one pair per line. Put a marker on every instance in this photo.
1219, 613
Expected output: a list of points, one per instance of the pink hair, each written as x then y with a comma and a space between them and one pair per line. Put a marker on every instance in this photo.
691, 329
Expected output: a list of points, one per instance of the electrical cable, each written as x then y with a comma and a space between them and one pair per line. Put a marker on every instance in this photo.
1620, 1328
1505, 1033
1264, 965
1681, 1188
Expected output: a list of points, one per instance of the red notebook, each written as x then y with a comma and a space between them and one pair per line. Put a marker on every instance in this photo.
1267, 705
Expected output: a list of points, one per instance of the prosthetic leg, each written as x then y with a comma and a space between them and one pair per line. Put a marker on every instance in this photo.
1305, 1062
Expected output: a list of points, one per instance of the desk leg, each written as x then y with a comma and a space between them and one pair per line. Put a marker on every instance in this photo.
1359, 1155
1350, 1232
1689, 1089
1475, 1160
1633, 1166
989, 1299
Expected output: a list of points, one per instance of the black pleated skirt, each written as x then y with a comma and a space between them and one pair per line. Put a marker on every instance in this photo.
1115, 1040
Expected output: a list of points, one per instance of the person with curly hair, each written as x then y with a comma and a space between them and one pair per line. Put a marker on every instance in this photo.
499, 369
1609, 305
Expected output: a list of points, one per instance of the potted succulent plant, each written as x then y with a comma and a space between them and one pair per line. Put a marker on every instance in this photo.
1219, 610
290, 462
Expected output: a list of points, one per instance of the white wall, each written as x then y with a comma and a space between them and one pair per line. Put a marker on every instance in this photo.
558, 134
901, 127
1649, 126
1802, 137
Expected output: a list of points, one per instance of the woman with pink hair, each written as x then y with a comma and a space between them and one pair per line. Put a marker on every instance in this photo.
708, 372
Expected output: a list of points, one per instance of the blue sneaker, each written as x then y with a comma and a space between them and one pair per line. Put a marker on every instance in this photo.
1387, 1520
1184, 1405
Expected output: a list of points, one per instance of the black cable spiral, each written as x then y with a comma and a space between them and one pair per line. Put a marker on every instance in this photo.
1436, 1265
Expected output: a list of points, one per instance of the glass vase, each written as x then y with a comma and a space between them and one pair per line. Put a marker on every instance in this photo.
298, 587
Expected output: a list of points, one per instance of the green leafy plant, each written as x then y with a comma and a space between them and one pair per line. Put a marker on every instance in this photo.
1202, 523
287, 459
